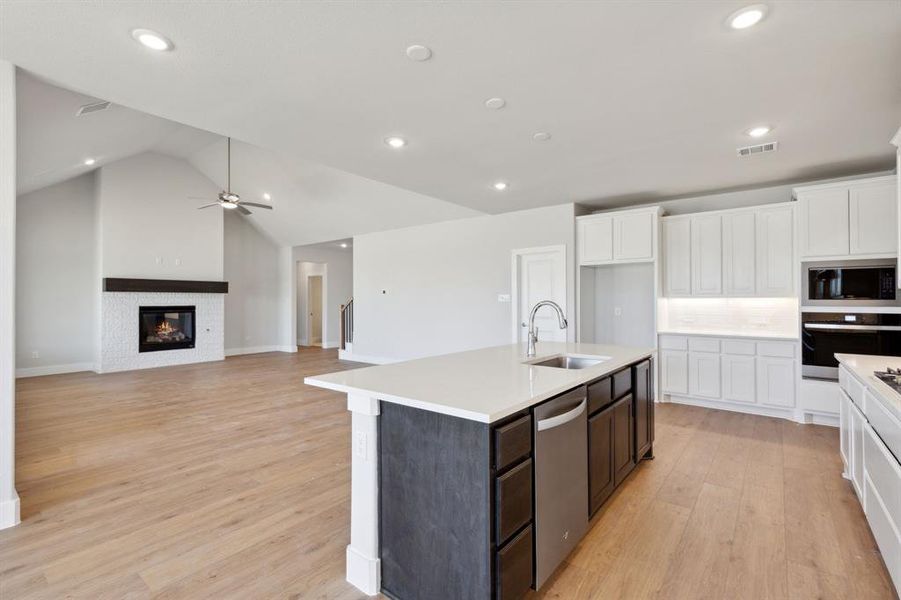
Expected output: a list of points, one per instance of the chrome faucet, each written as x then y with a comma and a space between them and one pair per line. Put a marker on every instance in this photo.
533, 331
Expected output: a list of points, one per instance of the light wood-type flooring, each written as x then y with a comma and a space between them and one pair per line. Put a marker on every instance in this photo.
232, 480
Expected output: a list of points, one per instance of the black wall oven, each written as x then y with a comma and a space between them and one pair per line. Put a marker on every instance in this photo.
823, 335
849, 283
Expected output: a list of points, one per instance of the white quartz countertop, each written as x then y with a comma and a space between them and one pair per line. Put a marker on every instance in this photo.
480, 385
863, 366
759, 335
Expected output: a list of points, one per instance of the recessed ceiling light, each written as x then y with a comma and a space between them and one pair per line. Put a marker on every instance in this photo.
396, 142
151, 39
266, 196
495, 103
343, 245
759, 131
500, 186
228, 205
418, 53
89, 161
747, 16
541, 136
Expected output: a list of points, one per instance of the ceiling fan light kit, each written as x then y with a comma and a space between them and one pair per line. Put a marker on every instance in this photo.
228, 199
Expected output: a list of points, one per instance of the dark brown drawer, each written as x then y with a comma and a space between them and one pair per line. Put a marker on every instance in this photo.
514, 500
514, 567
600, 394
512, 442
622, 382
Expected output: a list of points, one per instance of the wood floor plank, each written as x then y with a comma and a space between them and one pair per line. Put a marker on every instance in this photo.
232, 480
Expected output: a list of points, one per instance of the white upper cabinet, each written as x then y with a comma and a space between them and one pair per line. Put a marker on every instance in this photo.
633, 236
595, 239
741, 252
739, 233
849, 218
824, 223
707, 255
618, 237
677, 257
873, 218
775, 251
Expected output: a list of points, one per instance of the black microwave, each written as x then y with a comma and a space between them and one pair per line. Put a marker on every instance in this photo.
850, 283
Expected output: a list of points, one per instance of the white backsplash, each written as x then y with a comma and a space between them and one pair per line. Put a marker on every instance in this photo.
776, 317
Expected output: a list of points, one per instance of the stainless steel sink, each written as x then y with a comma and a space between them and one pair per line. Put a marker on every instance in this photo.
568, 362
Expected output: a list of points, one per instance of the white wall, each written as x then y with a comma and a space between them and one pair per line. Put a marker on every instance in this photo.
441, 282
9, 499
252, 319
148, 223
338, 288
56, 286
624, 289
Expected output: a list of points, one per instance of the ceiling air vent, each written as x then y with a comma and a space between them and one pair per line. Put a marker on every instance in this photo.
758, 149
93, 107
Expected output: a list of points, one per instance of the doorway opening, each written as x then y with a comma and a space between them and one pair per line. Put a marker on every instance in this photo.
312, 300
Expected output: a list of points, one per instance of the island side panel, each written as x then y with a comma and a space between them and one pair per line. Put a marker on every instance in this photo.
434, 482
362, 555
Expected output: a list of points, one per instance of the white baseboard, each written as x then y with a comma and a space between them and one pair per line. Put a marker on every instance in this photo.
362, 358
259, 350
363, 572
751, 409
54, 370
330, 345
9, 512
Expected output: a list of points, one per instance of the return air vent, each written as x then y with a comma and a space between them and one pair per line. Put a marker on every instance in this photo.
758, 149
93, 107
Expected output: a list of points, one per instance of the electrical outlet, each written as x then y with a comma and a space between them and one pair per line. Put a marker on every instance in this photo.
35, 354
617, 311
177, 262
360, 444
159, 260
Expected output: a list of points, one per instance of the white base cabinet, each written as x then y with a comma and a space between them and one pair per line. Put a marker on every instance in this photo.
873, 470
747, 375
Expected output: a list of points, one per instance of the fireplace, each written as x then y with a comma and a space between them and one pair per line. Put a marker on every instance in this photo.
166, 328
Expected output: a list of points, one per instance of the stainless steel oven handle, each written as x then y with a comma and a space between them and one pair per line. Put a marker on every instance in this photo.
566, 417
850, 328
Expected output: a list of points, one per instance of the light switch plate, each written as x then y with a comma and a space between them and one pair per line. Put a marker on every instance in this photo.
503, 297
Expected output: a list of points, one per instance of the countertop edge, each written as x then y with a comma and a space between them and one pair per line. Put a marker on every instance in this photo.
884, 394
749, 336
586, 375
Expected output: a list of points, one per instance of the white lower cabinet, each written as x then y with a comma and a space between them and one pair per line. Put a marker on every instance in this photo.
776, 381
739, 381
874, 471
734, 371
704, 374
674, 370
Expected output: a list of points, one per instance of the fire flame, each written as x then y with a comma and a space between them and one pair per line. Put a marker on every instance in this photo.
165, 328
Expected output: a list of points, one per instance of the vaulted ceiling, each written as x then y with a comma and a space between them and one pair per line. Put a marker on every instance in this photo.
643, 100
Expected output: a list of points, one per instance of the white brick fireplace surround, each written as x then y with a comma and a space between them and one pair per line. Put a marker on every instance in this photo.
118, 348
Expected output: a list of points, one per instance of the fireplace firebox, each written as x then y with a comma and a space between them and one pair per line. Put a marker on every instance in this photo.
166, 328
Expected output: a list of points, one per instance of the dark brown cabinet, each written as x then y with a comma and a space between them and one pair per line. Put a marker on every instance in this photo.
643, 396
623, 448
600, 459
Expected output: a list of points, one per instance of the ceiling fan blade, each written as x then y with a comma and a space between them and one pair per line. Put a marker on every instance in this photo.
207, 198
243, 210
266, 206
208, 205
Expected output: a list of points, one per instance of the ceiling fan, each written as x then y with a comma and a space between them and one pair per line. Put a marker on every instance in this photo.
227, 198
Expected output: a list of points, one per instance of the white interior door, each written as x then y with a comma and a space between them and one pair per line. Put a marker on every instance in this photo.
539, 274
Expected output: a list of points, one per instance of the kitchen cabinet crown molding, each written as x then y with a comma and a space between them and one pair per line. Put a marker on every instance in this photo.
804, 189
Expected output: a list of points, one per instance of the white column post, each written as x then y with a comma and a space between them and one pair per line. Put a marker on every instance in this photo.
9, 499
363, 564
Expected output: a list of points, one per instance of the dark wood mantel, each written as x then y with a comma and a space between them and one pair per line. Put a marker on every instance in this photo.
114, 284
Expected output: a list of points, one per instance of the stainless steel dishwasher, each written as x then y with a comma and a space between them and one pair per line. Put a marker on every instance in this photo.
561, 479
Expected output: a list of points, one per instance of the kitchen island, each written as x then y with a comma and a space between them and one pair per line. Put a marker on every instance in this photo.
475, 473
